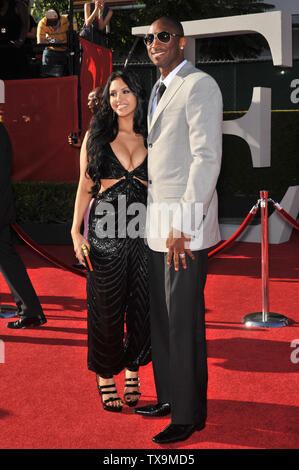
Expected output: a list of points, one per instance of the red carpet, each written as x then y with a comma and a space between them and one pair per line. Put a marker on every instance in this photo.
49, 398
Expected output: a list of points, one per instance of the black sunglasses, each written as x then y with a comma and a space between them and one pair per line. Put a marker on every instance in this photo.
163, 37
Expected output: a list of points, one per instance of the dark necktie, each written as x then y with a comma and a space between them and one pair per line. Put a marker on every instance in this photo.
161, 90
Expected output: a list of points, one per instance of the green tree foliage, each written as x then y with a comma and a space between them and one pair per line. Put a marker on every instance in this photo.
185, 10
40, 7
123, 20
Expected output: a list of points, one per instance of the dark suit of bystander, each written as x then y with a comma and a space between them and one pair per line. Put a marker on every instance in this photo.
11, 265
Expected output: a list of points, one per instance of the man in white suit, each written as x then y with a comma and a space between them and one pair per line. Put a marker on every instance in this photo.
184, 159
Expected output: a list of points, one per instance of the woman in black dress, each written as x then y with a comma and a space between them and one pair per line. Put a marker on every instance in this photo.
113, 170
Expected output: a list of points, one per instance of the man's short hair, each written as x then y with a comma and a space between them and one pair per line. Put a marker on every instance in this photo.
176, 24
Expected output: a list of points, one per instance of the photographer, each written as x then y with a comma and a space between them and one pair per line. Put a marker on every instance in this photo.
53, 29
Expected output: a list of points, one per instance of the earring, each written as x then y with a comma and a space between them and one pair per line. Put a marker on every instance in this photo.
182, 47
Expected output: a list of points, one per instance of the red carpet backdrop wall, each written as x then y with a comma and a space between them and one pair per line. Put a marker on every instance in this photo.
38, 115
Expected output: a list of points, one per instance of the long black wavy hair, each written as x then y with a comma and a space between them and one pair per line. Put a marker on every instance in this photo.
104, 124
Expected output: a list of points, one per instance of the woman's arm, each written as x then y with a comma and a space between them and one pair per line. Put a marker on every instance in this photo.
104, 21
82, 201
89, 18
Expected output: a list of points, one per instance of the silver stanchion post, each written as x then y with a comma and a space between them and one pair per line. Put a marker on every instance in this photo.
265, 318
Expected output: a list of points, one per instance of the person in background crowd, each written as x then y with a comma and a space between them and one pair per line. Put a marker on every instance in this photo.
30, 41
113, 167
53, 29
31, 36
14, 24
93, 102
97, 15
11, 265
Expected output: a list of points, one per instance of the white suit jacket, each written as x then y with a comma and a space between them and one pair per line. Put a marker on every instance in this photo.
184, 160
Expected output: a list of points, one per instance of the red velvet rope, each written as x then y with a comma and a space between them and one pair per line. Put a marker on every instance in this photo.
285, 215
44, 253
221, 247
240, 230
60, 264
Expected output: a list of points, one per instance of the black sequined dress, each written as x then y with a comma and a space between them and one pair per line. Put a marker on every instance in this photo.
117, 288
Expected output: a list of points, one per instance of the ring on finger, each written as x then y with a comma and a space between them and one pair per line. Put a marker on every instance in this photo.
182, 255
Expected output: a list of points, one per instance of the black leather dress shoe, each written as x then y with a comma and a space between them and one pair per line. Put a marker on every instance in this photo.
27, 322
160, 409
177, 432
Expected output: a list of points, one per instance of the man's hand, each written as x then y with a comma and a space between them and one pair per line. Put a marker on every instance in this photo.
178, 245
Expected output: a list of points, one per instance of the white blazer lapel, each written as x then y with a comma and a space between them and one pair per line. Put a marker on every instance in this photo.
166, 97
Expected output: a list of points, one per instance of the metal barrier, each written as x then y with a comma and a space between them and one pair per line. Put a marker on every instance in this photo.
258, 319
265, 318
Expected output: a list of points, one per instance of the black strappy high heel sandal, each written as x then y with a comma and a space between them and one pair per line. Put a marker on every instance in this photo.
135, 384
112, 408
